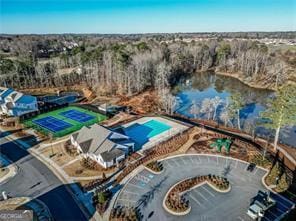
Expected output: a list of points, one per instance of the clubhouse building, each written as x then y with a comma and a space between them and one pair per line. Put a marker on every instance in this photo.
101, 144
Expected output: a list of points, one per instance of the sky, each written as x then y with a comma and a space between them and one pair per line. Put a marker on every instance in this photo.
145, 16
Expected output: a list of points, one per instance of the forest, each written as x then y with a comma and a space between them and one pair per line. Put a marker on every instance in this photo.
129, 64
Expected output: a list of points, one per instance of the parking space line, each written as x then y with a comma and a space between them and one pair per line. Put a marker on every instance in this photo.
266, 218
183, 160
256, 171
142, 178
196, 191
213, 195
240, 218
127, 200
197, 159
140, 187
282, 211
195, 200
175, 163
217, 160
246, 167
191, 160
167, 162
269, 211
128, 192
208, 159
236, 164
221, 160
283, 198
283, 204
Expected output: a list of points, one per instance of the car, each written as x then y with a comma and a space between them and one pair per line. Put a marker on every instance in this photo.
251, 167
260, 204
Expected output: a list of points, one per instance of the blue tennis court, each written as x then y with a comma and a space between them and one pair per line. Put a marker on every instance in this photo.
52, 123
77, 115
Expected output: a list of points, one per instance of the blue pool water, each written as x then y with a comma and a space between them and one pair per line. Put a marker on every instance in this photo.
141, 133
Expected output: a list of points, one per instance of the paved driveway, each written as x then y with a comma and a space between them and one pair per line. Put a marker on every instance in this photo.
35, 180
148, 190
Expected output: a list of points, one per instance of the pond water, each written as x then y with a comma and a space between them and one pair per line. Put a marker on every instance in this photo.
197, 87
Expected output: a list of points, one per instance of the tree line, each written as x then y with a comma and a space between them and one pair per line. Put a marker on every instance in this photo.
129, 67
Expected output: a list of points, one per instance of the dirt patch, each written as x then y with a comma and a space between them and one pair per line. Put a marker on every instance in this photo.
118, 118
3, 171
239, 150
57, 153
76, 169
84, 182
142, 103
13, 203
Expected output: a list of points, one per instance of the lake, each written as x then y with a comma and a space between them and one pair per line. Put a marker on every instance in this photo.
197, 87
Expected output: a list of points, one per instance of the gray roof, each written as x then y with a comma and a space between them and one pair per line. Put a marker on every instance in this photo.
113, 154
97, 139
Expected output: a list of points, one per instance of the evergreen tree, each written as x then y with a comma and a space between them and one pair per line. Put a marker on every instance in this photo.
236, 104
281, 111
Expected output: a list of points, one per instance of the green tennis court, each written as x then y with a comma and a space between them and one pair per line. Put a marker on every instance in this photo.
64, 121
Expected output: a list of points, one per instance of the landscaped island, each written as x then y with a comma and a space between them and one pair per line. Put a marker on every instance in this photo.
176, 203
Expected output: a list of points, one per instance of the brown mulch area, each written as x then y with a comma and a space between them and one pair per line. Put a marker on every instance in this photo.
142, 103
133, 157
238, 150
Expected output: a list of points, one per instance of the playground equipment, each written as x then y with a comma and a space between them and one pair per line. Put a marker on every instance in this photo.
222, 142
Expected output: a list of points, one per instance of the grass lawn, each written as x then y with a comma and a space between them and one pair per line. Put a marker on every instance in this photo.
75, 125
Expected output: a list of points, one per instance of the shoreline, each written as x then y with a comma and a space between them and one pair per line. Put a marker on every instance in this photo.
238, 77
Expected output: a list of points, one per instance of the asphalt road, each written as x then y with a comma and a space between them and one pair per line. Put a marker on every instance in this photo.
35, 180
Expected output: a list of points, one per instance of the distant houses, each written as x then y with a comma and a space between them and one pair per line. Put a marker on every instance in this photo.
15, 104
103, 145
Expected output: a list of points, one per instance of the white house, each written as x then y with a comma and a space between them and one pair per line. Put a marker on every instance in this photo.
13, 103
103, 145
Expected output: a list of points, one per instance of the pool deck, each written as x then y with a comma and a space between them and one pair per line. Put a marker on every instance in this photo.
175, 128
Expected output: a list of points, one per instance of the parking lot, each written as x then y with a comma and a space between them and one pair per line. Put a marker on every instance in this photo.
147, 190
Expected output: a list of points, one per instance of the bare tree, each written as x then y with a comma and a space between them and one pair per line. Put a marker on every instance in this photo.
216, 101
225, 117
207, 107
168, 101
195, 109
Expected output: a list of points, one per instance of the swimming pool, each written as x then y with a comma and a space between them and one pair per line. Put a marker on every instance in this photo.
141, 133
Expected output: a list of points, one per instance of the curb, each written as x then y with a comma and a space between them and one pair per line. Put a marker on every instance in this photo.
196, 186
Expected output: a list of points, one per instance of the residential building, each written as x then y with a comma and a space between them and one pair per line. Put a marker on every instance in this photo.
101, 144
13, 103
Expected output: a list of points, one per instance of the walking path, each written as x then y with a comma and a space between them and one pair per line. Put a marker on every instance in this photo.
12, 171
72, 161
8, 170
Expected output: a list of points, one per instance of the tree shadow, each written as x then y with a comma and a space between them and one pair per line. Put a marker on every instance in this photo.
148, 196
227, 169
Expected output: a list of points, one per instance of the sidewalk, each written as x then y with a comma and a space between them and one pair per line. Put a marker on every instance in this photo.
6, 165
80, 198
11, 173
